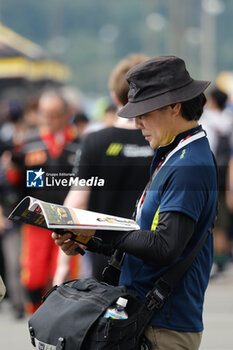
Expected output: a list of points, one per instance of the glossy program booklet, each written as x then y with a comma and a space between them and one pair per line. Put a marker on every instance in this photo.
61, 219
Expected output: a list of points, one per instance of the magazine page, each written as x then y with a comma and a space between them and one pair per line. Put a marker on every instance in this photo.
58, 216
23, 213
53, 216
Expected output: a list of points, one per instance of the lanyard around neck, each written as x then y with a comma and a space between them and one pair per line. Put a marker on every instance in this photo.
184, 142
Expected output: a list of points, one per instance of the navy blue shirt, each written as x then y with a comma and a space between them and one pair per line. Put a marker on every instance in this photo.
187, 184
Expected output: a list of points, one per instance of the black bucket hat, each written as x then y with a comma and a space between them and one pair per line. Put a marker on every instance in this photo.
157, 83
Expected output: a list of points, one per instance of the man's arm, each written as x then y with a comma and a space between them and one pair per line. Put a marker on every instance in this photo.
78, 197
162, 246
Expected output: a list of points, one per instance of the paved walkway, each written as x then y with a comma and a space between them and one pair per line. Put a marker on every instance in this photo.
218, 319
218, 313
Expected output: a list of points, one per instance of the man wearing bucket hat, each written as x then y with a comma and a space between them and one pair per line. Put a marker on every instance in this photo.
178, 205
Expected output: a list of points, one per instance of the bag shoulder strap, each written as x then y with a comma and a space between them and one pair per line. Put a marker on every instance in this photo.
165, 284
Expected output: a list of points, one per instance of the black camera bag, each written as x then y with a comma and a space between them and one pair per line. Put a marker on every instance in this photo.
72, 314
71, 318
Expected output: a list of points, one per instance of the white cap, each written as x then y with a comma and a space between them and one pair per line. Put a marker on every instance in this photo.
122, 302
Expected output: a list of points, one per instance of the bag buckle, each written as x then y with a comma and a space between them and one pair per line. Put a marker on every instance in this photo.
155, 300
60, 344
157, 296
32, 336
115, 262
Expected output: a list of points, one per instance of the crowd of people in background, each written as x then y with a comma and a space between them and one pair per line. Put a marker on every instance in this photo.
53, 131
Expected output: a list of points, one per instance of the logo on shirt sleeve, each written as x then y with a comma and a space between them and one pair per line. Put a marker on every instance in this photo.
183, 153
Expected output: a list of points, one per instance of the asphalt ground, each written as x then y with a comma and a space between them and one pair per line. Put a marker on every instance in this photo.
218, 319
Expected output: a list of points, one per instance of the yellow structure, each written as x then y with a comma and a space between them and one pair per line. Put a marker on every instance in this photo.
21, 58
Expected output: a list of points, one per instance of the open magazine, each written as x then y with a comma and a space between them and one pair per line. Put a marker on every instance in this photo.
61, 219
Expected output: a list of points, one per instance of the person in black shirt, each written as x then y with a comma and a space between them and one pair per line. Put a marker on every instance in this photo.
119, 155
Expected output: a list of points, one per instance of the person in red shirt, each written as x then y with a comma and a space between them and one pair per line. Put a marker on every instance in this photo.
52, 150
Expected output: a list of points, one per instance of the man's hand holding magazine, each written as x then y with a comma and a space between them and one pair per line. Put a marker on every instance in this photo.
70, 246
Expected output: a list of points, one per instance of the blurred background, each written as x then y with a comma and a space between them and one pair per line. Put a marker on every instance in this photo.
89, 37
73, 45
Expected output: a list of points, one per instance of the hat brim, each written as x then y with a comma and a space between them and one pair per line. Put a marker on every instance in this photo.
188, 92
